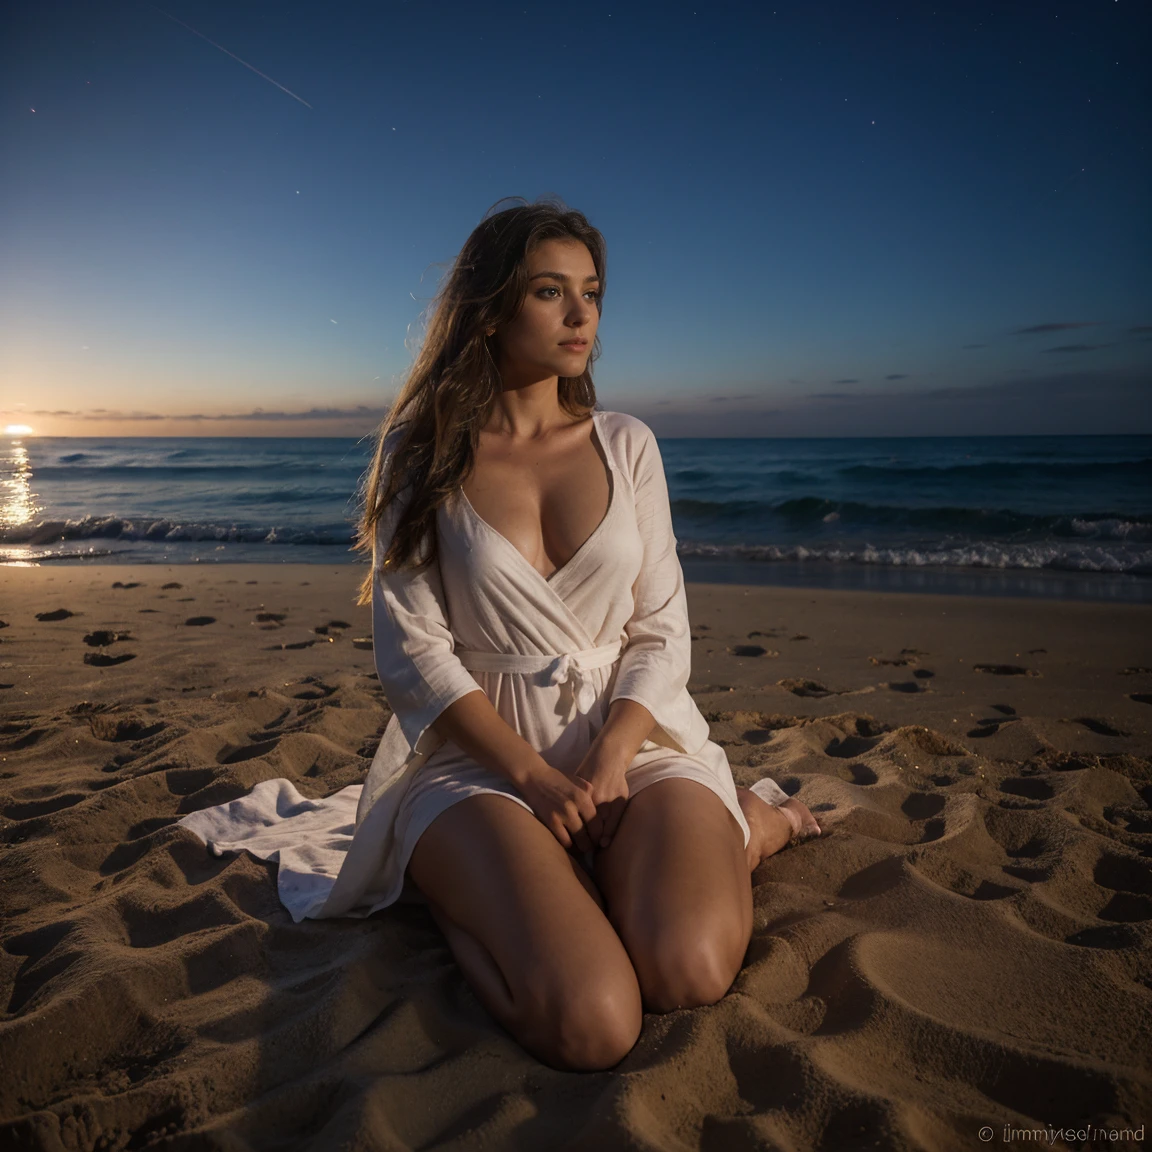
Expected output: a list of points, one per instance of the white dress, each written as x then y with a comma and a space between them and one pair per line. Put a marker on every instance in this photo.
550, 653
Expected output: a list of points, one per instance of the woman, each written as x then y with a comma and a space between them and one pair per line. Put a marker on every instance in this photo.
545, 783
549, 533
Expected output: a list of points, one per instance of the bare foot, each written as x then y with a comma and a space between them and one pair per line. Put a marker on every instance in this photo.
773, 827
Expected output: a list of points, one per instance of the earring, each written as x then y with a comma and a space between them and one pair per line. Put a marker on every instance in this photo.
490, 332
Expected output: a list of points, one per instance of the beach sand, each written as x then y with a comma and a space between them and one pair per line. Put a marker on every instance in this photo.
968, 945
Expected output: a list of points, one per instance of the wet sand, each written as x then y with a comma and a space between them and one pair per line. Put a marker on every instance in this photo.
968, 945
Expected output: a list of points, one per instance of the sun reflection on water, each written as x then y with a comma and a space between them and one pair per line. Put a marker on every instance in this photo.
17, 500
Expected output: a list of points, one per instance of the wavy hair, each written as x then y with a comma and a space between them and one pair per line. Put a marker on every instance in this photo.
433, 427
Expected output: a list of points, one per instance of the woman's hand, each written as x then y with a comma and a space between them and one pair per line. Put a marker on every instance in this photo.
606, 774
563, 804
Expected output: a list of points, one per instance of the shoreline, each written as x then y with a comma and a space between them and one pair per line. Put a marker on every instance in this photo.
815, 575
974, 928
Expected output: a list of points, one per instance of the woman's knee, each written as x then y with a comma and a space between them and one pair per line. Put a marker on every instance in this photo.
689, 971
587, 1026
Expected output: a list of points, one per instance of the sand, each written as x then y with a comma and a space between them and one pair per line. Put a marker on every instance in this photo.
968, 945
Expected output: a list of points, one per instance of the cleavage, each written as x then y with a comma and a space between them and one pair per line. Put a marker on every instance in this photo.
547, 528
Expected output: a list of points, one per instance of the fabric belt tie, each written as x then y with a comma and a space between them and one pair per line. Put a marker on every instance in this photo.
569, 668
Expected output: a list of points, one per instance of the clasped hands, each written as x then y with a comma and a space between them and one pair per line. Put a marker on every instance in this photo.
582, 811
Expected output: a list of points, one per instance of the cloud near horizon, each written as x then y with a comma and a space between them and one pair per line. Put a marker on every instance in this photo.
361, 411
1063, 326
1105, 402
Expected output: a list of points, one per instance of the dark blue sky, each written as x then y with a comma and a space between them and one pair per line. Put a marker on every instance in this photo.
822, 218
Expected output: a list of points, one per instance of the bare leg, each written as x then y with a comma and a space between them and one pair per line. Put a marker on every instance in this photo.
679, 892
525, 927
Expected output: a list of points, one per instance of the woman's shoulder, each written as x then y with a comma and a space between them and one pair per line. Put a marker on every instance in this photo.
629, 439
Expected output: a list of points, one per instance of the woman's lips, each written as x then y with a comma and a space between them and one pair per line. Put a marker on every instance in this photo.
575, 346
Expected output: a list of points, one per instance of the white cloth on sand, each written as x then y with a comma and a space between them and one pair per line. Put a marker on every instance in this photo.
551, 653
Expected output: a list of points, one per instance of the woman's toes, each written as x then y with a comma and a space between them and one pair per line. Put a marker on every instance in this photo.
804, 826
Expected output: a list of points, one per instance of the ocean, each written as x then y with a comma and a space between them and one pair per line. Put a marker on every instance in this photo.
1063, 516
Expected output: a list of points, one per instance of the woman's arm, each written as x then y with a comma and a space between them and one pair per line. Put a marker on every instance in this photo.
657, 658
605, 765
628, 725
563, 804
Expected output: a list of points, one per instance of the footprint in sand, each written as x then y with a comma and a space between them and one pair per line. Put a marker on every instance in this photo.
1131, 881
849, 747
311, 688
103, 638
862, 775
171, 584
987, 727
117, 729
751, 650
923, 805
337, 626
799, 636
231, 754
270, 619
59, 614
199, 621
1141, 697
3, 623
1030, 787
1100, 727
133, 584
106, 659
1004, 709
908, 686
802, 687
899, 662
1004, 670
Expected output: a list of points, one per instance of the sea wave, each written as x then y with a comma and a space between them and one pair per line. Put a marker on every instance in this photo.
158, 530
808, 511
1006, 469
240, 473
977, 554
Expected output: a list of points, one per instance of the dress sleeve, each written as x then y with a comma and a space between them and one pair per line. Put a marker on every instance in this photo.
412, 642
657, 658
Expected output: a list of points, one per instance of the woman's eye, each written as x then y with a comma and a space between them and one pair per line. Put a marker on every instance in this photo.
593, 292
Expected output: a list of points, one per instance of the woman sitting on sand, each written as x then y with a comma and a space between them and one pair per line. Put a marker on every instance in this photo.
547, 784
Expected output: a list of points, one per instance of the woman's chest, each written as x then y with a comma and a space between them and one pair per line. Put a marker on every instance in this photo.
547, 503
486, 577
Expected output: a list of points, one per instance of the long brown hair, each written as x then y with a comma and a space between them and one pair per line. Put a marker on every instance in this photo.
433, 427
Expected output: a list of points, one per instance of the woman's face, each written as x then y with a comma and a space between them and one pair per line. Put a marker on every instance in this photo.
553, 333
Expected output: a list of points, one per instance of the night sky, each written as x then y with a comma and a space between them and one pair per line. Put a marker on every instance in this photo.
822, 218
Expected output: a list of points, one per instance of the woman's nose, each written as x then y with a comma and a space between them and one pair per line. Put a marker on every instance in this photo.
581, 311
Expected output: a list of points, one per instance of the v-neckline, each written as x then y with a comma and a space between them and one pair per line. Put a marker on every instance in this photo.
612, 486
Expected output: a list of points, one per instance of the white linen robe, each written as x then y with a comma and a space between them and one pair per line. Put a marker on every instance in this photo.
550, 653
